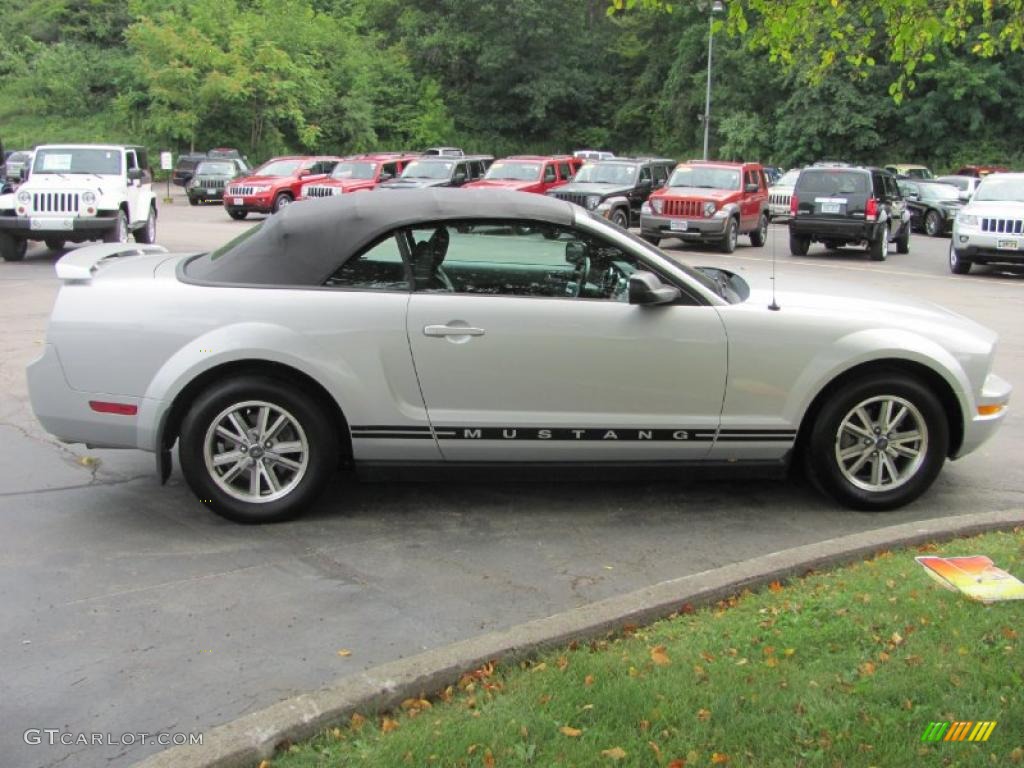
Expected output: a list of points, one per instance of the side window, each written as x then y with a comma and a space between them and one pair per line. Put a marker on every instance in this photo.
129, 160
549, 174
564, 171
517, 258
391, 169
463, 168
645, 174
379, 268
660, 175
751, 177
893, 188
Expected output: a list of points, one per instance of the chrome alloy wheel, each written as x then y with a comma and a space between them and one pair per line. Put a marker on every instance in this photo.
256, 451
881, 443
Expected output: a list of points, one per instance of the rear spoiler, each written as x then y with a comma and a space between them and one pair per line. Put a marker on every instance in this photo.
81, 263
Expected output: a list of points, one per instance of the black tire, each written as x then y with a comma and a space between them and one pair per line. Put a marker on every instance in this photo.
321, 453
55, 243
728, 243
146, 234
799, 244
192, 200
760, 235
933, 224
826, 440
957, 264
878, 249
236, 214
12, 248
620, 217
652, 239
119, 232
903, 240
283, 200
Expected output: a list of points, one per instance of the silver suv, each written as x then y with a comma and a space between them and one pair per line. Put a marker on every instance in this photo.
990, 228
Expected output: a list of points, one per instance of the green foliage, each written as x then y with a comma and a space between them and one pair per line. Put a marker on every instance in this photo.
792, 82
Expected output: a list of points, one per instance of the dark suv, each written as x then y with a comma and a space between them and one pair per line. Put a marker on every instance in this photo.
842, 206
616, 188
439, 171
185, 168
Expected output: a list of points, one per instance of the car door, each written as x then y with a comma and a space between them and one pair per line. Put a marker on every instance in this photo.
750, 202
896, 204
133, 189
527, 350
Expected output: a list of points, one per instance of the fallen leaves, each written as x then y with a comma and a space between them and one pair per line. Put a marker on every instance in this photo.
776, 586
357, 722
388, 725
719, 758
344, 652
615, 753
703, 714
659, 656
572, 733
866, 668
588, 680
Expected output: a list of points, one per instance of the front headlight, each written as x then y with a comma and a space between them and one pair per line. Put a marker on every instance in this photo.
709, 209
24, 196
645, 208
592, 201
336, 190
261, 188
967, 219
88, 198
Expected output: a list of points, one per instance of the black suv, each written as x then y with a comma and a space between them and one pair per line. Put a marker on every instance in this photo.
435, 171
838, 206
185, 168
616, 188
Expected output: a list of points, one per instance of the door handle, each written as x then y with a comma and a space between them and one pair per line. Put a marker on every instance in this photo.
452, 330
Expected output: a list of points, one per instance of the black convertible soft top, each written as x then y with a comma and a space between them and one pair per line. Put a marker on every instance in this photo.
304, 243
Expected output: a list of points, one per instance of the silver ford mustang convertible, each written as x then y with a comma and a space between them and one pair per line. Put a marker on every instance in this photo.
458, 327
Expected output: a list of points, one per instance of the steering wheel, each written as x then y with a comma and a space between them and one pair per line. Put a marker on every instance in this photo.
580, 276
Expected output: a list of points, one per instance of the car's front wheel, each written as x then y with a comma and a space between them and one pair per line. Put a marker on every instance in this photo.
620, 217
878, 443
728, 243
283, 200
933, 224
12, 248
236, 214
119, 232
957, 264
256, 449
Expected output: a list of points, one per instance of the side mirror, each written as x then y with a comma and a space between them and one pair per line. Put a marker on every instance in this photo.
964, 196
646, 289
751, 188
459, 178
136, 174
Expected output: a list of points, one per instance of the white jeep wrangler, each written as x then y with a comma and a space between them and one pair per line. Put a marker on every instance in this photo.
78, 192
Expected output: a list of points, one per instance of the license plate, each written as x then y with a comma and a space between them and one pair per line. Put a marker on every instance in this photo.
211, 191
1007, 245
62, 224
831, 207
677, 225
237, 201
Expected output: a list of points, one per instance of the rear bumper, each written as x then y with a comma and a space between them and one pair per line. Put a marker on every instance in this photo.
66, 413
697, 230
22, 226
827, 229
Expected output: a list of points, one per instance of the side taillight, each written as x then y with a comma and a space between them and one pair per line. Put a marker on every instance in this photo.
794, 204
871, 209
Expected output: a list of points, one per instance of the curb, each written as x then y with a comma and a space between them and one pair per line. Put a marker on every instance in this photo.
244, 742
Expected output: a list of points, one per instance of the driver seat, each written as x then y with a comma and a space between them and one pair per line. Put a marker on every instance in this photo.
427, 257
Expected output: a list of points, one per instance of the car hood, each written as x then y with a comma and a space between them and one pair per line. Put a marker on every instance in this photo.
588, 188
514, 184
263, 179
413, 183
994, 208
701, 192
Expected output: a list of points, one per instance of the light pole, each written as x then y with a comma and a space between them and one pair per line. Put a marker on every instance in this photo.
716, 7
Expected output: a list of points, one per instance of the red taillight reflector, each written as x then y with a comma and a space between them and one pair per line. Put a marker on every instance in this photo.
871, 209
121, 409
794, 204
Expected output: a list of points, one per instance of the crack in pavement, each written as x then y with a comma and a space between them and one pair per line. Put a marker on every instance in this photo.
94, 483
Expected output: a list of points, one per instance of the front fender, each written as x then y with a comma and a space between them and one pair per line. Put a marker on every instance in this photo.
876, 345
228, 344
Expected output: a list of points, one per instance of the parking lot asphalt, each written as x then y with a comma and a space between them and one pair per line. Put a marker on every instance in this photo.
130, 608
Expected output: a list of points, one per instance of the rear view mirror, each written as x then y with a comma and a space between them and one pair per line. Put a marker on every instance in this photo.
645, 288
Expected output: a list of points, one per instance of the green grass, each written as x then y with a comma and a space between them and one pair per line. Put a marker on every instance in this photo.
844, 668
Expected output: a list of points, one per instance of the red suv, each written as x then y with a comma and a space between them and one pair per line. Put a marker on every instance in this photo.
275, 184
709, 202
528, 173
357, 174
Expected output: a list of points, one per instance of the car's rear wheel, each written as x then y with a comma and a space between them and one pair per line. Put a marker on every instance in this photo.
957, 264
256, 449
933, 224
12, 248
728, 244
55, 243
193, 200
119, 232
236, 214
146, 234
878, 443
620, 217
878, 248
283, 200
760, 235
799, 245
903, 240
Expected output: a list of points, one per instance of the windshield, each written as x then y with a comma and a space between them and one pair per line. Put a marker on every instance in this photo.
939, 192
513, 171
788, 179
67, 160
960, 182
419, 169
1001, 188
18, 157
605, 173
215, 169
354, 171
705, 177
278, 168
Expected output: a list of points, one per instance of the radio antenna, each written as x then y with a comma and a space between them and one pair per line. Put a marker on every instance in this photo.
774, 307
